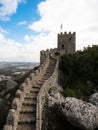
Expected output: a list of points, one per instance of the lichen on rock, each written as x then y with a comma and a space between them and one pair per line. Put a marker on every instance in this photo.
79, 113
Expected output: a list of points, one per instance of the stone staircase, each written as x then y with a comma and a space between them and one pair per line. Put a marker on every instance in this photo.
27, 115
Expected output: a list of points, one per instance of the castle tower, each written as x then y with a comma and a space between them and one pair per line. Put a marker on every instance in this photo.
66, 42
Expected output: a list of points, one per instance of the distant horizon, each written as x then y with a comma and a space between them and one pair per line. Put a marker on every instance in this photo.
17, 62
39, 55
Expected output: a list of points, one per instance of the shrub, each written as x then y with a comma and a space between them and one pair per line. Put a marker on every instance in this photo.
80, 91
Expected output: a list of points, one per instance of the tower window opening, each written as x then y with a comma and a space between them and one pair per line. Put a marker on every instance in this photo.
62, 46
70, 38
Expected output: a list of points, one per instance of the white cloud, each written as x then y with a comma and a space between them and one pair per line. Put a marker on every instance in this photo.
14, 51
75, 15
27, 38
22, 23
29, 51
8, 8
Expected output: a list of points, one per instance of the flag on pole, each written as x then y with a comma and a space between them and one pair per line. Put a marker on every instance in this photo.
61, 27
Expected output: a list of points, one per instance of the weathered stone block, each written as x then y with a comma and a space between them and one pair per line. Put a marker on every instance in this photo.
32, 76
8, 127
27, 81
16, 104
19, 94
23, 87
12, 117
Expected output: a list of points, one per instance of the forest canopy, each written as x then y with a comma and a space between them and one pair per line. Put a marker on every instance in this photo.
80, 70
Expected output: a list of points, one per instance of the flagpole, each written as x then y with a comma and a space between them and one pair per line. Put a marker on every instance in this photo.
61, 27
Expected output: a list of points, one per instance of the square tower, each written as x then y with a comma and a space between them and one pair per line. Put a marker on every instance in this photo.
66, 42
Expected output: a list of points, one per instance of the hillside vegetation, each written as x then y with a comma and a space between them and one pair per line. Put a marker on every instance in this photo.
80, 72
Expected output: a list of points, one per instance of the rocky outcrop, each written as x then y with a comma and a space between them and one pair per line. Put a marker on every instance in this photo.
94, 99
55, 97
79, 113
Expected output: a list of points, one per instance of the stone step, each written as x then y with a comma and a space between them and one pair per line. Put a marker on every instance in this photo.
28, 108
39, 83
48, 72
51, 66
36, 86
29, 103
26, 127
34, 91
50, 69
30, 98
41, 80
27, 118
26, 121
26, 111
46, 77
33, 95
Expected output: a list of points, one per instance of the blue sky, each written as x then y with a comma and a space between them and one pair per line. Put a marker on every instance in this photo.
18, 23
28, 26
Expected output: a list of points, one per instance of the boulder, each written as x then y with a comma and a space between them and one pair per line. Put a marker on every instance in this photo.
94, 99
55, 97
80, 113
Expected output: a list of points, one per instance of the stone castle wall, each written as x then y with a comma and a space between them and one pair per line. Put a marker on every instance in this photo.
43, 93
12, 119
66, 44
44, 54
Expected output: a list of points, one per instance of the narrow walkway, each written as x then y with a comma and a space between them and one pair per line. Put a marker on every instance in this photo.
27, 116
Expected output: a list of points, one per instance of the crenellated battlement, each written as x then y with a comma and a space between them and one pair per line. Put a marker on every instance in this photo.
66, 44
66, 33
44, 54
21, 93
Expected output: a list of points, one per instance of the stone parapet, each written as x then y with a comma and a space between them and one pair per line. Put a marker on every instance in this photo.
12, 119
41, 99
44, 54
